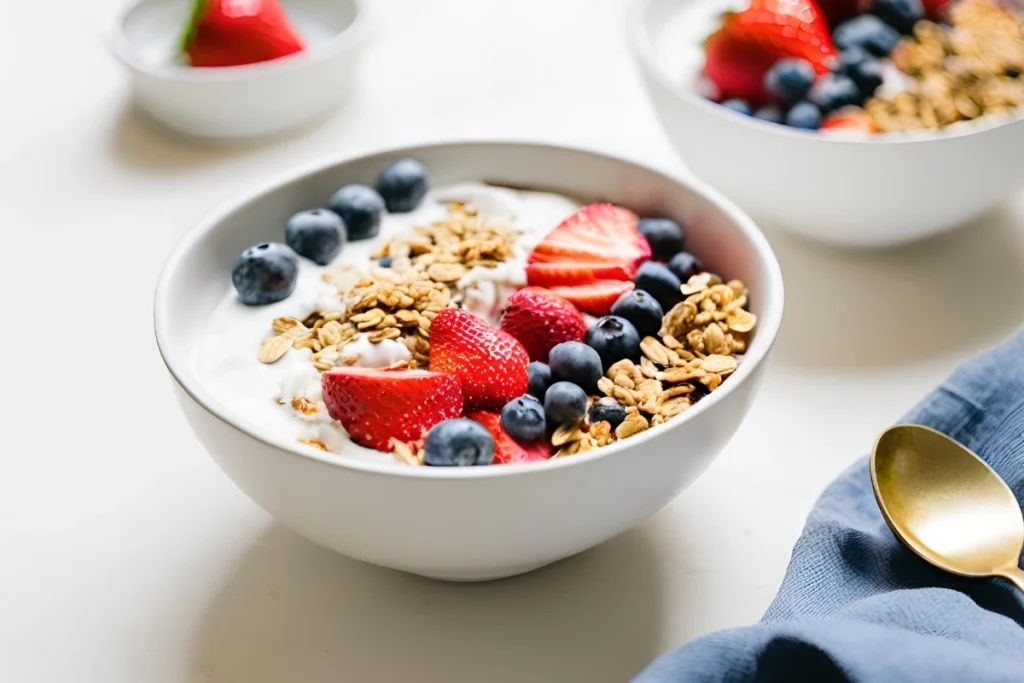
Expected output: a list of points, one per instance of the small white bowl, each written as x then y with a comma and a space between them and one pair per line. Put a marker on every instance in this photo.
466, 523
241, 101
873, 191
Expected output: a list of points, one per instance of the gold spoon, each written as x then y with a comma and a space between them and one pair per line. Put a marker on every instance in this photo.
946, 504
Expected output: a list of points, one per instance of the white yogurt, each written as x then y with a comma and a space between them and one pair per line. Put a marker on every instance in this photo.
227, 356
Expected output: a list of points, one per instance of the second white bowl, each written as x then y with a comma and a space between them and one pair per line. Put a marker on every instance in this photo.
877, 191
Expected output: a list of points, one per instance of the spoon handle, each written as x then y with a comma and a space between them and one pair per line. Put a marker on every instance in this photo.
1015, 575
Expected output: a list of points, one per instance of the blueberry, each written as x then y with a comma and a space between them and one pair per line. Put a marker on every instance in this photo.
769, 113
458, 443
866, 31
665, 236
834, 91
738, 106
265, 274
608, 410
685, 265
900, 14
361, 208
862, 68
565, 402
384, 261
641, 309
523, 419
402, 184
660, 282
539, 379
613, 338
577, 363
789, 80
318, 235
804, 115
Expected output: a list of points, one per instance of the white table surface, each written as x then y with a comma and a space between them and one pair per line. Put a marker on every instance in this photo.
128, 556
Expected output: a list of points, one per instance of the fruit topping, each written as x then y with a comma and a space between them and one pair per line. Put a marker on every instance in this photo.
804, 115
577, 363
595, 298
565, 402
900, 14
849, 119
789, 80
608, 410
664, 235
660, 282
642, 310
458, 442
737, 105
570, 273
318, 235
614, 338
238, 32
863, 68
361, 208
595, 234
739, 55
507, 450
377, 405
403, 184
265, 273
540, 320
538, 379
834, 91
523, 419
490, 363
685, 265
868, 32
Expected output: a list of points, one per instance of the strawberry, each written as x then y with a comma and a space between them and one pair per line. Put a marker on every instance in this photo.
237, 32
838, 11
595, 234
556, 274
936, 10
849, 119
376, 405
490, 363
540, 320
595, 298
737, 56
506, 449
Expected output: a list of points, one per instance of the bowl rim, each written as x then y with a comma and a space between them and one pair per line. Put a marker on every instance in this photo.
643, 52
179, 362
350, 37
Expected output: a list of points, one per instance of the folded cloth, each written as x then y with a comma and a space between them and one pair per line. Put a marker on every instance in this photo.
856, 605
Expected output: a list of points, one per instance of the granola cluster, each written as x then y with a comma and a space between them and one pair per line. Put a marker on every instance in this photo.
695, 351
398, 302
957, 72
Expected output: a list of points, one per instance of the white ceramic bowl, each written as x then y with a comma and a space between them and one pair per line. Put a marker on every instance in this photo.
878, 191
468, 523
241, 101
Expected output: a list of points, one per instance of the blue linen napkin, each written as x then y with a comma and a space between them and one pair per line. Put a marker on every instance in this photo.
858, 606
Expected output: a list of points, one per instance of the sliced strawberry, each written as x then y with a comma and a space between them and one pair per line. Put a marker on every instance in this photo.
506, 449
375, 405
936, 10
738, 55
236, 32
595, 234
490, 363
838, 11
595, 298
849, 119
568, 273
540, 320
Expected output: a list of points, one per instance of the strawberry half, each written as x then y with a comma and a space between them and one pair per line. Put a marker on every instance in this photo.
561, 274
851, 120
490, 363
375, 405
238, 32
595, 234
595, 298
506, 449
540, 320
737, 56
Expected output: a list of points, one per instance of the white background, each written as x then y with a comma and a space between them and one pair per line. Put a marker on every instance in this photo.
125, 555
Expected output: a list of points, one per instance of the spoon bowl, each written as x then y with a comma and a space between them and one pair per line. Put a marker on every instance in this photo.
946, 504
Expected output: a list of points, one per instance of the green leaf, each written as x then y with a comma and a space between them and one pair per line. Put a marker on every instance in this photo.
198, 9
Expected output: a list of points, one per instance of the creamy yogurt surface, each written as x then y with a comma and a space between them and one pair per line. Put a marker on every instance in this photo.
227, 357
